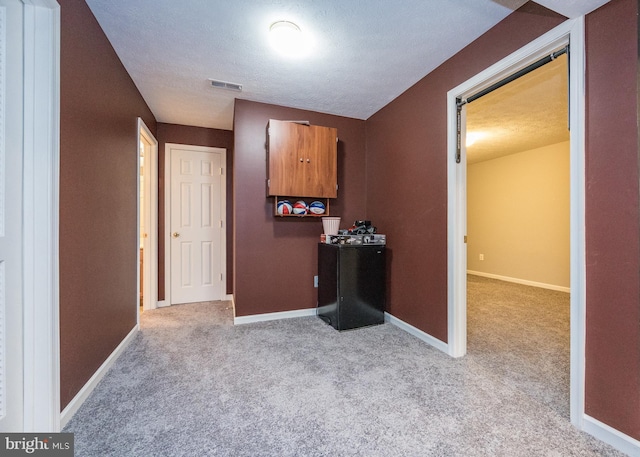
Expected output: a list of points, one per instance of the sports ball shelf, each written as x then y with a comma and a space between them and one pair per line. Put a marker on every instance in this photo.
292, 203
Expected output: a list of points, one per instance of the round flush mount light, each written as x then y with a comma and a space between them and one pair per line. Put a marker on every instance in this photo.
287, 39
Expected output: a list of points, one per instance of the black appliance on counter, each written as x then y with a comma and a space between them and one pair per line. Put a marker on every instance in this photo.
351, 284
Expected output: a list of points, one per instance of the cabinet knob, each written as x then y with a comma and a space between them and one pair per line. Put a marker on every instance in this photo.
308, 160
301, 159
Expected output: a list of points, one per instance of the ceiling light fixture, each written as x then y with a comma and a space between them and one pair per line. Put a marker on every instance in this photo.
472, 137
287, 38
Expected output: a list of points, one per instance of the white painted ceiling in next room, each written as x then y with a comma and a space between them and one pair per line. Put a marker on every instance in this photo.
526, 114
365, 52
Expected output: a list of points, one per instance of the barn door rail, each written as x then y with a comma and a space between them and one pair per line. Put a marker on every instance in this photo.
460, 102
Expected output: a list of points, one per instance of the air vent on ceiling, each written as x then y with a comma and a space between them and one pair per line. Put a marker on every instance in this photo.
226, 85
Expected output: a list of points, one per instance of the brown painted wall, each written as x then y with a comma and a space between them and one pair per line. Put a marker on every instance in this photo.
406, 159
99, 106
612, 213
276, 258
193, 136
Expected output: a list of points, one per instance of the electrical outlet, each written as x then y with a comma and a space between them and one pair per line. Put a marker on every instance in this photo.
481, 257
315, 281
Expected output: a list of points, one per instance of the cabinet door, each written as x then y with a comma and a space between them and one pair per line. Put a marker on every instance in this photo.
302, 160
286, 144
321, 173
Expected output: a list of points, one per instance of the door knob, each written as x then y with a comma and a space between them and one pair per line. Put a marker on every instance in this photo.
175, 234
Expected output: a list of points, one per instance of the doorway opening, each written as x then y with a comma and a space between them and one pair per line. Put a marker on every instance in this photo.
570, 32
147, 219
518, 284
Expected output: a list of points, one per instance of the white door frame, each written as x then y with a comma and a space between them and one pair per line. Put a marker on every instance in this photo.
41, 215
167, 213
571, 31
150, 192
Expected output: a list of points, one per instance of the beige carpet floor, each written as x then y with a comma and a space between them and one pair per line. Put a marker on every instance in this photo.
520, 334
193, 384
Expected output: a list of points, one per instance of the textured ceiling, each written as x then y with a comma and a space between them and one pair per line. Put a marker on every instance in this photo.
528, 113
365, 52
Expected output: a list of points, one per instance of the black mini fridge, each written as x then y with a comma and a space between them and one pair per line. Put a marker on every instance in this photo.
351, 285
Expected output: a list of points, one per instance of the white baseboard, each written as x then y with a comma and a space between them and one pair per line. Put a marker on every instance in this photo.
273, 316
521, 281
611, 436
73, 406
430, 340
165, 303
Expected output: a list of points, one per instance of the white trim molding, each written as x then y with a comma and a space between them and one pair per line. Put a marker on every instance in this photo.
273, 316
430, 340
41, 215
91, 384
577, 103
150, 261
524, 282
611, 436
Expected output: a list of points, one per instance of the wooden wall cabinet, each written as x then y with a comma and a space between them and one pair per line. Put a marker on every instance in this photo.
302, 160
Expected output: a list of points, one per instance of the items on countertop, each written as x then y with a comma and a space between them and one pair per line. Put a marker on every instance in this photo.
361, 232
359, 228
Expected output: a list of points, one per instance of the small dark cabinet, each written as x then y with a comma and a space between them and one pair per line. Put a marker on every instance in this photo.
351, 285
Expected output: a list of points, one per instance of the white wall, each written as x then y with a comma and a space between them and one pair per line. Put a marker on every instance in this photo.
518, 216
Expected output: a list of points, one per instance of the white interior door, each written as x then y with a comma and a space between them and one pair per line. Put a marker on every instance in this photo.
11, 154
196, 229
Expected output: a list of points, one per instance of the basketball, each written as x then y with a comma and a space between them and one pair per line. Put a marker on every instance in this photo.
284, 207
300, 207
316, 207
